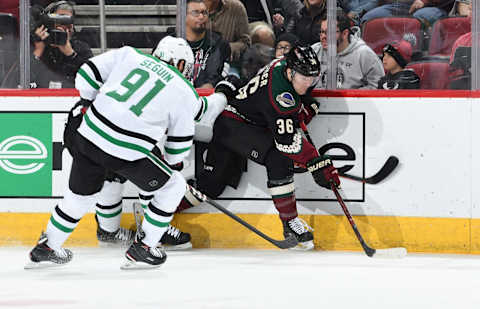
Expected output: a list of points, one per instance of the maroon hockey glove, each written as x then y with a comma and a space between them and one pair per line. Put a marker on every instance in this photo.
309, 109
177, 167
323, 171
229, 86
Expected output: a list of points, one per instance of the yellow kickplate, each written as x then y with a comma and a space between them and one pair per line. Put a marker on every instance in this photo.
416, 234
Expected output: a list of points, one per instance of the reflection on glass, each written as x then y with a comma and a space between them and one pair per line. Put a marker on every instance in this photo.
414, 41
9, 44
358, 67
57, 51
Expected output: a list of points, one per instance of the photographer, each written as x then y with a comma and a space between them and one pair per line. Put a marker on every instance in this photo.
57, 55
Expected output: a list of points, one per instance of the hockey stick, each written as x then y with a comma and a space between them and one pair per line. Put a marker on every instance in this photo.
389, 253
287, 243
384, 172
138, 214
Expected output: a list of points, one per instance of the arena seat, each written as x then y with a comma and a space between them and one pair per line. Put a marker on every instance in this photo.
379, 31
433, 73
444, 33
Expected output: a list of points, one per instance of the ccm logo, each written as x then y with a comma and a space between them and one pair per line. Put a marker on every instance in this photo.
319, 165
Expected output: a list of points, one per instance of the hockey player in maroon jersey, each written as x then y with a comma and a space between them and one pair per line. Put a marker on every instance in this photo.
260, 122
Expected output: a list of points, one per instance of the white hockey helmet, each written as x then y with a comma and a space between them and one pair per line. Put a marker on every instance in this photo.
175, 50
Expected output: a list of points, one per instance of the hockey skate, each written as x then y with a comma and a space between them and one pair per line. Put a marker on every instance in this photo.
301, 230
42, 256
121, 237
141, 256
174, 239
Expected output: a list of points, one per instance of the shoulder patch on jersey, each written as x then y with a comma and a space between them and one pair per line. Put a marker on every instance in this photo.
285, 99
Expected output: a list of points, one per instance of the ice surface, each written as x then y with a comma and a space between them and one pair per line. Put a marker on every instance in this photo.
211, 278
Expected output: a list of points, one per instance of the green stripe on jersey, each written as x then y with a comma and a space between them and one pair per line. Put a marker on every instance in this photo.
88, 79
114, 140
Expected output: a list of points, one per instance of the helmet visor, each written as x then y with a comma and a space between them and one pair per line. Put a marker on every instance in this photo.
306, 80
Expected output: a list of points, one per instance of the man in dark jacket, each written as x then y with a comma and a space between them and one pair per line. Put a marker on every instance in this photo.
57, 54
210, 51
306, 26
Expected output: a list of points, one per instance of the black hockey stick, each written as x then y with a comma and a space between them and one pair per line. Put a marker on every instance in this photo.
384, 172
287, 243
391, 252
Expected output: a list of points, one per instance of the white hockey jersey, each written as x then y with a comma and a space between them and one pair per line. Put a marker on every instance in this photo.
137, 98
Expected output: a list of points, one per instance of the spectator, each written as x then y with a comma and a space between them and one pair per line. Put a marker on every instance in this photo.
396, 56
210, 51
305, 26
426, 10
460, 63
229, 17
358, 67
355, 9
284, 43
462, 8
57, 54
262, 33
277, 13
255, 57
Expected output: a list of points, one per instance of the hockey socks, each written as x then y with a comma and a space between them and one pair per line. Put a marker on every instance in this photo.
155, 223
65, 218
283, 197
109, 206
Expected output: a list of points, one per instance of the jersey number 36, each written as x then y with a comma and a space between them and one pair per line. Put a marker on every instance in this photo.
285, 126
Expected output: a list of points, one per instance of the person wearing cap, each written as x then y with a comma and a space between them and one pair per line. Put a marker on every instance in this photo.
284, 43
358, 67
396, 56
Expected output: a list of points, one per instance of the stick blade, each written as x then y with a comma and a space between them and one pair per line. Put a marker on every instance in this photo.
385, 171
391, 253
287, 243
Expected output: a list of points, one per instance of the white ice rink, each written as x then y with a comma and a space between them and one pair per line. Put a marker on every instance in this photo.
211, 278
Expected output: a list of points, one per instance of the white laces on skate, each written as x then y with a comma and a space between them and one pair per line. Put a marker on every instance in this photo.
171, 230
157, 252
124, 234
299, 226
62, 253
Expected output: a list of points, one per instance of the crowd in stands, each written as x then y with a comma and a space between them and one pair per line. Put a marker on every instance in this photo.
240, 36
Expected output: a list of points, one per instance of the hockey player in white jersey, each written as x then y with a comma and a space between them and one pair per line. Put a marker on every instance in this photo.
108, 209
135, 98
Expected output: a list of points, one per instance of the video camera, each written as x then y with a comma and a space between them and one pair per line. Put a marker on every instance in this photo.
50, 21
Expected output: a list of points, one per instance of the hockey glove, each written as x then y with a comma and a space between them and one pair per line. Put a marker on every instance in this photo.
74, 120
309, 109
229, 86
177, 166
323, 171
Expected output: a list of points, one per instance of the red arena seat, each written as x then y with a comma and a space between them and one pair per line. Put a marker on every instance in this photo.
444, 33
433, 73
379, 31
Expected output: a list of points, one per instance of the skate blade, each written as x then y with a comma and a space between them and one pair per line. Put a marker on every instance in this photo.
184, 246
131, 265
42, 265
303, 246
106, 245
